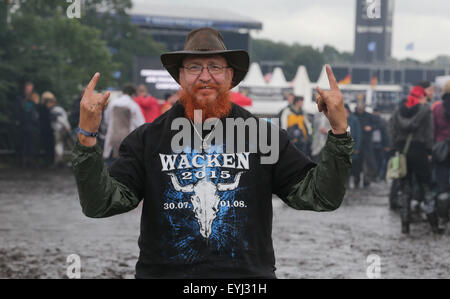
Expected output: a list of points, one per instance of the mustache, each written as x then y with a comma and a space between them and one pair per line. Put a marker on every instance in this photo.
199, 86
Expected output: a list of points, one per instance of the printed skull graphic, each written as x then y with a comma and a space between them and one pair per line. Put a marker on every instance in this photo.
205, 200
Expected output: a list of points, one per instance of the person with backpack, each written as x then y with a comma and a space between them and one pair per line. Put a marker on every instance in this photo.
413, 118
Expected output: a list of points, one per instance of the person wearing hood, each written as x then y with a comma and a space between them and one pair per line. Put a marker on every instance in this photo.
413, 116
441, 117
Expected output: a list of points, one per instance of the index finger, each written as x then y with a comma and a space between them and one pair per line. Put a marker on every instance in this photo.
91, 86
331, 78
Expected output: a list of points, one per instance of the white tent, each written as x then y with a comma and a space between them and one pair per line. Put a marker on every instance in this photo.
254, 77
322, 82
278, 79
301, 82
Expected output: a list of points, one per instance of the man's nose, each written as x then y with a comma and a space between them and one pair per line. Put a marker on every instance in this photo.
205, 76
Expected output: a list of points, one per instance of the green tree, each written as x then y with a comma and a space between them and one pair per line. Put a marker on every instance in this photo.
124, 39
264, 49
54, 52
294, 55
332, 55
291, 55
42, 45
311, 58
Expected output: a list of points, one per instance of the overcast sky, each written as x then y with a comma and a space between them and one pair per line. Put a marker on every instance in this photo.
320, 22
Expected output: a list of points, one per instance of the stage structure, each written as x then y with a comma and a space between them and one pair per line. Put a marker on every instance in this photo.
373, 31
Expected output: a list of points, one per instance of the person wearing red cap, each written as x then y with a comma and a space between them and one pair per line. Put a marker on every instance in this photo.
148, 104
414, 117
416, 96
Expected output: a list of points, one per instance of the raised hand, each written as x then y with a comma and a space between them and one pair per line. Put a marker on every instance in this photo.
91, 107
331, 103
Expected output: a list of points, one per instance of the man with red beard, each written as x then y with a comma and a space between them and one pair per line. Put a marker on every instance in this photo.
207, 213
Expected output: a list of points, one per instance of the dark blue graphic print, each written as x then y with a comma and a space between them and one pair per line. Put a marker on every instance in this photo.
203, 205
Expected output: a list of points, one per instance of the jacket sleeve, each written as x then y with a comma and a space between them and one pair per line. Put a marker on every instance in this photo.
435, 121
430, 131
393, 131
100, 194
323, 187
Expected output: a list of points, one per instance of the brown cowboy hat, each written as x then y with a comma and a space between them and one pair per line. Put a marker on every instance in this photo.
207, 41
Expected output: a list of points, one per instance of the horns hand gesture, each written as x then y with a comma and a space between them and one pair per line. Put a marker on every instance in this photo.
331, 103
91, 107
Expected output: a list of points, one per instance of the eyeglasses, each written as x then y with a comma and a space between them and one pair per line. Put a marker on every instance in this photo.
213, 69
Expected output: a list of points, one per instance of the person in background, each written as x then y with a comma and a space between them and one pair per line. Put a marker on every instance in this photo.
30, 130
171, 99
149, 105
366, 156
354, 127
380, 144
47, 140
122, 116
60, 125
429, 91
290, 98
20, 120
321, 126
414, 117
296, 123
441, 120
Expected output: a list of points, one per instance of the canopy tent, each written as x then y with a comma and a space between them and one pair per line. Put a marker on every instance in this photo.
278, 79
322, 82
303, 87
301, 83
254, 77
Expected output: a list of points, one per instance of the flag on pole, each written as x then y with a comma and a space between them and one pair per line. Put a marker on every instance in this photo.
410, 47
374, 82
372, 46
346, 80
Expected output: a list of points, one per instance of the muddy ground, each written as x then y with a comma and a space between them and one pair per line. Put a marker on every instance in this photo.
41, 224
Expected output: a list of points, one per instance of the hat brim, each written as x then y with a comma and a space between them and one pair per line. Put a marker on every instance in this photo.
237, 59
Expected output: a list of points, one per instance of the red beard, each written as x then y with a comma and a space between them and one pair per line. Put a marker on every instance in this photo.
219, 108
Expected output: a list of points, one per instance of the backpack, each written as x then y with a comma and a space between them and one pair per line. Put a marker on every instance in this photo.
440, 151
396, 167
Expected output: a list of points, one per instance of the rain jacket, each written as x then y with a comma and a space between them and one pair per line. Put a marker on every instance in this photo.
417, 120
122, 116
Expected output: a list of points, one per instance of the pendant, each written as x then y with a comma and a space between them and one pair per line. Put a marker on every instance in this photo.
205, 145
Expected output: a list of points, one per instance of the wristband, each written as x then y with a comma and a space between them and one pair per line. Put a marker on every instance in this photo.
88, 134
344, 135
